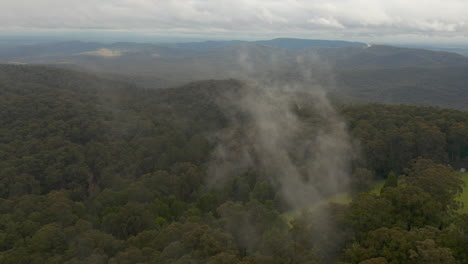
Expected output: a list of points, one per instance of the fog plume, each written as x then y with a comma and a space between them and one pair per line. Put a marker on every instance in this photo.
287, 129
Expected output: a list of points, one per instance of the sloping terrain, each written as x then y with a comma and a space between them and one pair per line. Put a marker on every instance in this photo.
94, 170
349, 70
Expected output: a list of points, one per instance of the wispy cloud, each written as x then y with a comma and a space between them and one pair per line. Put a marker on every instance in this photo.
364, 17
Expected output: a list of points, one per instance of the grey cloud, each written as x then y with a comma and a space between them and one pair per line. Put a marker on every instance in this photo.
378, 17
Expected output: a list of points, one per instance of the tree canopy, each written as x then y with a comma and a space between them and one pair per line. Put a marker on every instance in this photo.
97, 171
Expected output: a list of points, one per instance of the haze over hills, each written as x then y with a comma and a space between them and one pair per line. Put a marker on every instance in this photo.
286, 43
340, 53
96, 170
234, 132
353, 70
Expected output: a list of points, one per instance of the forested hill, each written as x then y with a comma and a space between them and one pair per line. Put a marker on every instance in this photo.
375, 73
98, 171
431, 86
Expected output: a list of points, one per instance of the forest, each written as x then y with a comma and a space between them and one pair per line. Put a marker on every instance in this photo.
94, 170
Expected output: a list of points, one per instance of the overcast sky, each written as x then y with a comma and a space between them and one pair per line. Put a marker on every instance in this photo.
422, 20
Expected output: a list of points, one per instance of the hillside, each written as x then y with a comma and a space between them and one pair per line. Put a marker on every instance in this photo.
430, 86
354, 72
300, 44
94, 170
381, 56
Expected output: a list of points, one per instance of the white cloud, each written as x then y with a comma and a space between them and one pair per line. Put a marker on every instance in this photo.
330, 22
374, 17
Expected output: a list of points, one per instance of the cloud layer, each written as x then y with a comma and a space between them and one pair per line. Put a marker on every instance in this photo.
346, 17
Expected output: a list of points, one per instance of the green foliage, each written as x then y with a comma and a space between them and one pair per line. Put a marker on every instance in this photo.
397, 246
440, 181
392, 136
391, 181
361, 181
95, 171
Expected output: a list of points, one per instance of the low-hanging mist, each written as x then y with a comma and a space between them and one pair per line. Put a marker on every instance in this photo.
289, 132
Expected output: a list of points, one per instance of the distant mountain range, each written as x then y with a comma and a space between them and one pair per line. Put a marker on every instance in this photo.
336, 53
285, 43
350, 70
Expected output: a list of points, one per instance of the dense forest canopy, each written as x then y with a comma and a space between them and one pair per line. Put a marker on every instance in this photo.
97, 171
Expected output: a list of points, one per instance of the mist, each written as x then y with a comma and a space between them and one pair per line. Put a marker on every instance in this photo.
306, 159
